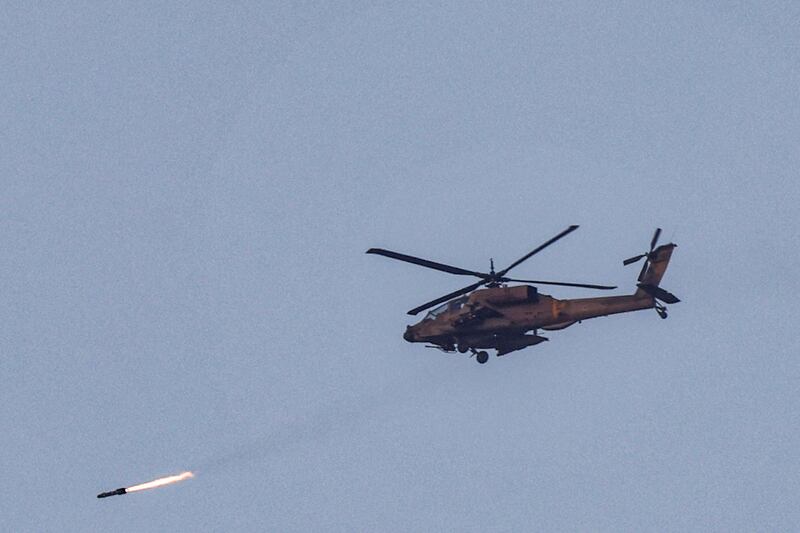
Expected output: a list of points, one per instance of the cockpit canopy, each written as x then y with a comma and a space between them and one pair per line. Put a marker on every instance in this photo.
452, 305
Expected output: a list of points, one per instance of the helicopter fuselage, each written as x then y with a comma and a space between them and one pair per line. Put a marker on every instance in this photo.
502, 317
508, 318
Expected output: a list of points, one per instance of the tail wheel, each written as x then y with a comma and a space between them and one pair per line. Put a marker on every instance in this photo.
482, 357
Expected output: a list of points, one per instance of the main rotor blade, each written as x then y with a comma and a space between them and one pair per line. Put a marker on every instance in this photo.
655, 239
424, 262
446, 297
633, 259
564, 284
537, 250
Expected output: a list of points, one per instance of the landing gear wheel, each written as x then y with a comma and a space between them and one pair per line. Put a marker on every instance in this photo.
482, 357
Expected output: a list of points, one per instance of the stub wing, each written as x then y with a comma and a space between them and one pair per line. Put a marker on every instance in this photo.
518, 343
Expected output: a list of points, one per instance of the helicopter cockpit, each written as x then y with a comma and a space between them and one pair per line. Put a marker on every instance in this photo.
452, 305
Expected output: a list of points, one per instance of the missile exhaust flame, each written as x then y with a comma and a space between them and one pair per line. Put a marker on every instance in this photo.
160, 482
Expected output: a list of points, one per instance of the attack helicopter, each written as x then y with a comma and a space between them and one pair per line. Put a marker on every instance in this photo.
508, 318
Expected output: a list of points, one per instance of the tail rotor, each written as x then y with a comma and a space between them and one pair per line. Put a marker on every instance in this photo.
648, 254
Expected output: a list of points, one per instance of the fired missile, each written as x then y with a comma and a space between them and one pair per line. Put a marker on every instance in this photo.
160, 482
117, 492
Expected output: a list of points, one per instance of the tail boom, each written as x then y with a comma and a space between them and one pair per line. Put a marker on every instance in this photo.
585, 308
566, 312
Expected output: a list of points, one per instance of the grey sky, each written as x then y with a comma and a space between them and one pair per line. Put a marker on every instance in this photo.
188, 192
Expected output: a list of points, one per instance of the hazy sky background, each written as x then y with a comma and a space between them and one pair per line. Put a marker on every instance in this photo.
187, 194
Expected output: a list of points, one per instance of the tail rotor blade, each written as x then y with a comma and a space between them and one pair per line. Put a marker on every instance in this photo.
655, 239
644, 269
633, 259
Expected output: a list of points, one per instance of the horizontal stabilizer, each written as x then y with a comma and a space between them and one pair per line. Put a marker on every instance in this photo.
659, 293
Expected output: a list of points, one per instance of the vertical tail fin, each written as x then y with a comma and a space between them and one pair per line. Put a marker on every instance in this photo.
651, 274
656, 265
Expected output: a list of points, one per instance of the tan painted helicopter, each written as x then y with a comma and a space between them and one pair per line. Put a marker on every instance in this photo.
508, 318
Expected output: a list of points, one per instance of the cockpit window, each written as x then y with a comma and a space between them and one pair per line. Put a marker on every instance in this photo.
452, 305
436, 311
